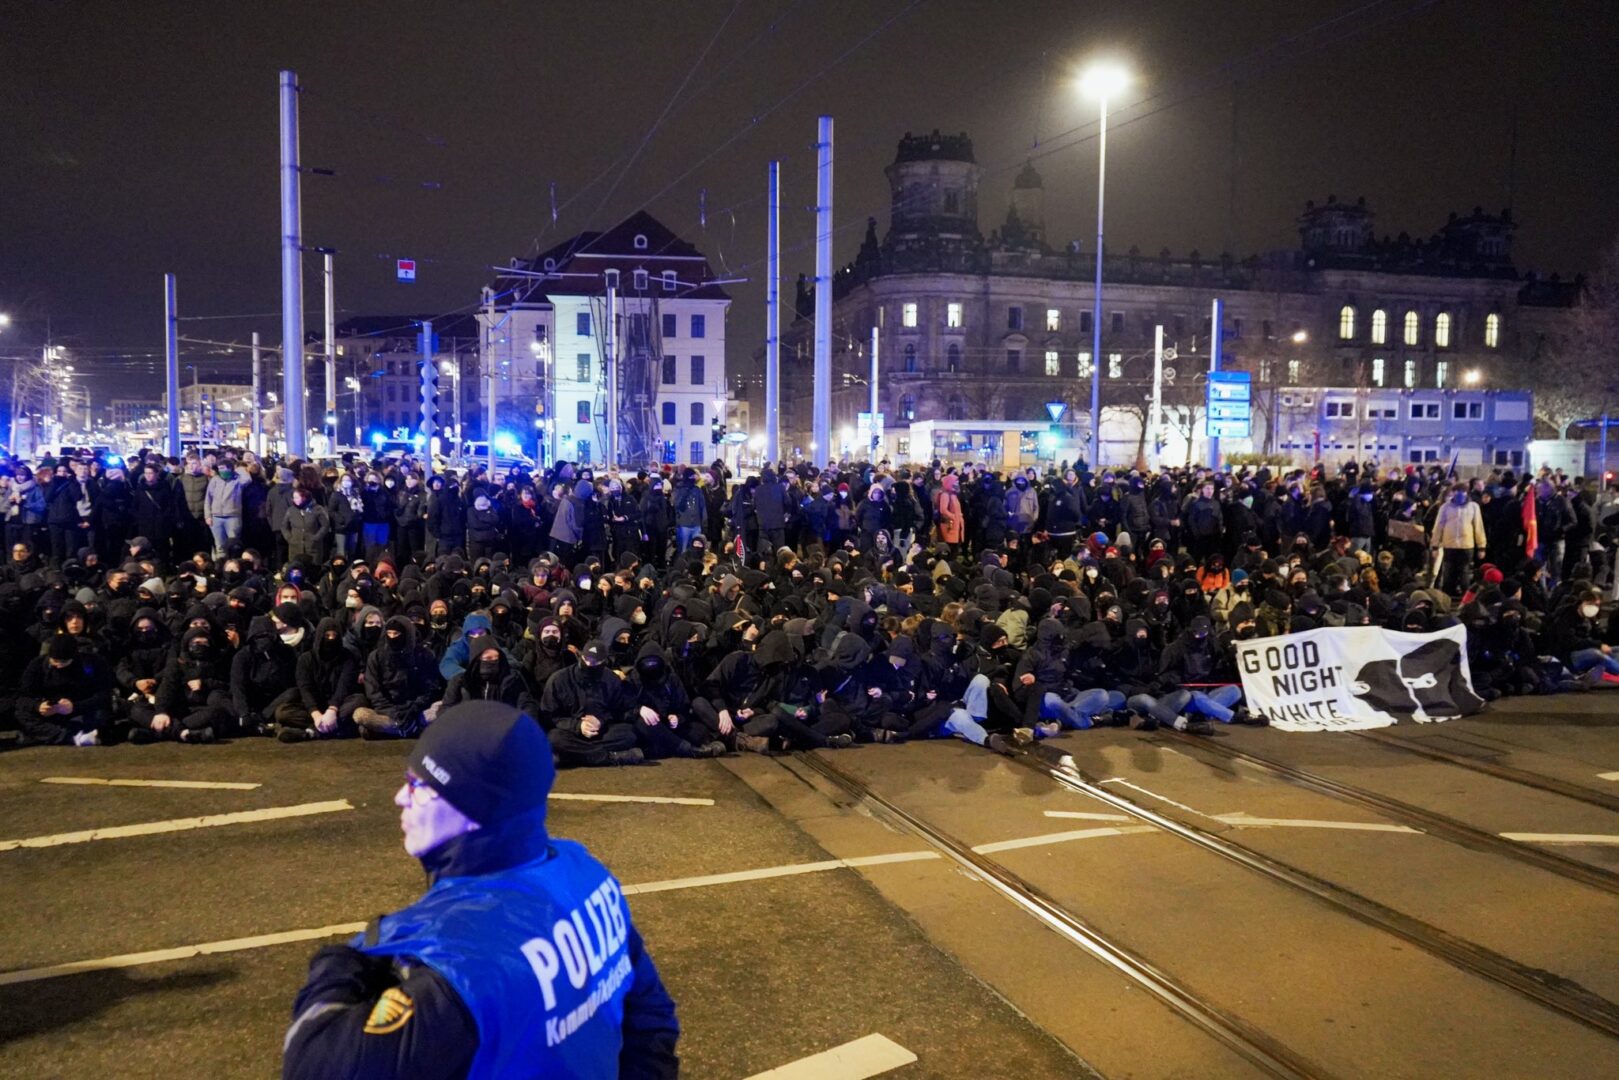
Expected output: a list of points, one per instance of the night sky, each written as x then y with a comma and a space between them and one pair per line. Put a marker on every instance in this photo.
138, 138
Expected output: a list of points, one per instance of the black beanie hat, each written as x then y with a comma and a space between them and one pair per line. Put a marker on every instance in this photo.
490, 760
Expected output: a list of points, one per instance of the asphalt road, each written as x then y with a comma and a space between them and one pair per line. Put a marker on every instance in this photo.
791, 913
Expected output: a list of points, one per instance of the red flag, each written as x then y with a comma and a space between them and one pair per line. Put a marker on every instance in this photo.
1531, 525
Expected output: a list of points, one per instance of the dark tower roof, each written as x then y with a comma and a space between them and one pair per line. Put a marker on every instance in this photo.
934, 147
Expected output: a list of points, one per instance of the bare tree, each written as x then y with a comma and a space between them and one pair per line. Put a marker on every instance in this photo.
1576, 376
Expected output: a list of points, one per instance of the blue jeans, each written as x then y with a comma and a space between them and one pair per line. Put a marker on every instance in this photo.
684, 535
962, 726
1215, 704
1586, 659
976, 696
1081, 708
225, 529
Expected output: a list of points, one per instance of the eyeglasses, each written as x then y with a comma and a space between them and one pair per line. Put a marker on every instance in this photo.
416, 784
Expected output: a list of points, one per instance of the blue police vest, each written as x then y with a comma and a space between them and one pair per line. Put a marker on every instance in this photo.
537, 953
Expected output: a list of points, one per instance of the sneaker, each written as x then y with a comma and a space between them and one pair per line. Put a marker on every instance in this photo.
713, 749
632, 756
1143, 722
1045, 729
1609, 679
1197, 725
757, 744
139, 736
197, 735
1021, 735
1000, 744
838, 742
1111, 719
883, 735
289, 734
87, 738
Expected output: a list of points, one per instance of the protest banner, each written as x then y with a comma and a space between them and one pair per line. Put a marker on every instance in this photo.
1351, 677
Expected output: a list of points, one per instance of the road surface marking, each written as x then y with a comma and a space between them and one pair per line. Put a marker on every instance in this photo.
184, 952
1561, 838
1608, 776
856, 1060
1241, 818
1160, 798
568, 795
147, 828
1059, 838
790, 870
223, 785
1086, 816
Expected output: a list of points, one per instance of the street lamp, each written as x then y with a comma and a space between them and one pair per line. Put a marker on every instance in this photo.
1300, 337
1099, 82
1472, 377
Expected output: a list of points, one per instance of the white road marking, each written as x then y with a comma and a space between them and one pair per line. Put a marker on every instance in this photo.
223, 785
1085, 816
1561, 838
1608, 776
147, 828
856, 1060
569, 795
790, 870
1160, 798
1241, 818
184, 952
1060, 838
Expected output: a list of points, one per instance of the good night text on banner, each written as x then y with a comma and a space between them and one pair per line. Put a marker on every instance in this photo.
1349, 677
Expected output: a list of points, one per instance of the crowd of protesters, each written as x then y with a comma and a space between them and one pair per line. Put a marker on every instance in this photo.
682, 612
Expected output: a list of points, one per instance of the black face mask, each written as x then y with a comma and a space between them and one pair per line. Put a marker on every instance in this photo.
551, 645
370, 634
489, 669
1245, 632
330, 648
653, 673
147, 635
591, 673
440, 622
198, 652
621, 649
396, 643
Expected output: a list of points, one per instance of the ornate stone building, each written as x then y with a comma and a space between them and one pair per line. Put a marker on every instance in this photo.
975, 327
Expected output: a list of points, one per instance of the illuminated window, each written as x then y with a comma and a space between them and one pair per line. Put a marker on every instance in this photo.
1346, 322
1492, 331
1053, 362
1377, 371
582, 411
1380, 327
907, 315
952, 316
1441, 372
582, 362
1053, 319
1264, 370
1413, 328
1410, 374
1084, 365
1441, 330
1292, 372
1115, 365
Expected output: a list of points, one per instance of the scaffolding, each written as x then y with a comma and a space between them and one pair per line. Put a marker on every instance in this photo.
639, 357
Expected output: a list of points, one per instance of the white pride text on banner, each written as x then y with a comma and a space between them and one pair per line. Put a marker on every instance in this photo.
1352, 677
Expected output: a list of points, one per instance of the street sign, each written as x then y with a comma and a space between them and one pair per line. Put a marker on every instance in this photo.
405, 269
1228, 429
1055, 409
1228, 386
1228, 410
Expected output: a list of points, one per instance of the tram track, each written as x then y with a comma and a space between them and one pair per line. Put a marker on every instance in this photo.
1266, 1053
1427, 821
1523, 777
1548, 989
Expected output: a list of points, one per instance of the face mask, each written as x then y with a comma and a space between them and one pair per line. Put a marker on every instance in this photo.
396, 641
584, 582
489, 668
639, 618
227, 474
1245, 632
370, 634
551, 644
352, 602
1589, 611
198, 650
147, 633
330, 647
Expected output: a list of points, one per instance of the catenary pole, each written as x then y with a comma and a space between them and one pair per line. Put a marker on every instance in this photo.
1214, 366
487, 356
773, 317
876, 435
329, 420
258, 396
821, 431
292, 275
610, 364
171, 356
1156, 422
1096, 307
428, 374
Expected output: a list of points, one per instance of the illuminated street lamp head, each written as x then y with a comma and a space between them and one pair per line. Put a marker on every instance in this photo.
1104, 80
5, 320
1472, 377
1300, 337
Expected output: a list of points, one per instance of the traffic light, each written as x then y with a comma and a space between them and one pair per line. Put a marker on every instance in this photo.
715, 430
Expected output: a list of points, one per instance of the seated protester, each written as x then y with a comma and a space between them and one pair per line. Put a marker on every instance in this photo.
544, 654
291, 626
263, 677
988, 714
505, 620
475, 630
1501, 654
575, 631
1224, 599
664, 708
617, 638
1186, 672
440, 631
1129, 665
939, 684
64, 697
193, 700
490, 677
141, 666
1573, 635
327, 679
863, 694
1041, 684
401, 684
589, 712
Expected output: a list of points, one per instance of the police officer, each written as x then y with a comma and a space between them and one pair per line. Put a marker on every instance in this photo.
520, 960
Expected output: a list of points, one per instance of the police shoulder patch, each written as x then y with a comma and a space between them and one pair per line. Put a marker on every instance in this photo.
390, 1012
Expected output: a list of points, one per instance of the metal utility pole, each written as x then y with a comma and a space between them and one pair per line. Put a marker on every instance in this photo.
1096, 309
428, 426
329, 424
171, 354
1214, 366
258, 396
610, 364
821, 432
876, 432
487, 354
292, 276
773, 317
1155, 420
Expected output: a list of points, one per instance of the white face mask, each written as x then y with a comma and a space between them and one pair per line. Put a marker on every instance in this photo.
638, 618
1589, 611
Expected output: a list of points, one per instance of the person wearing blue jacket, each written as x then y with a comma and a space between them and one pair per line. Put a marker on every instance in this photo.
520, 960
